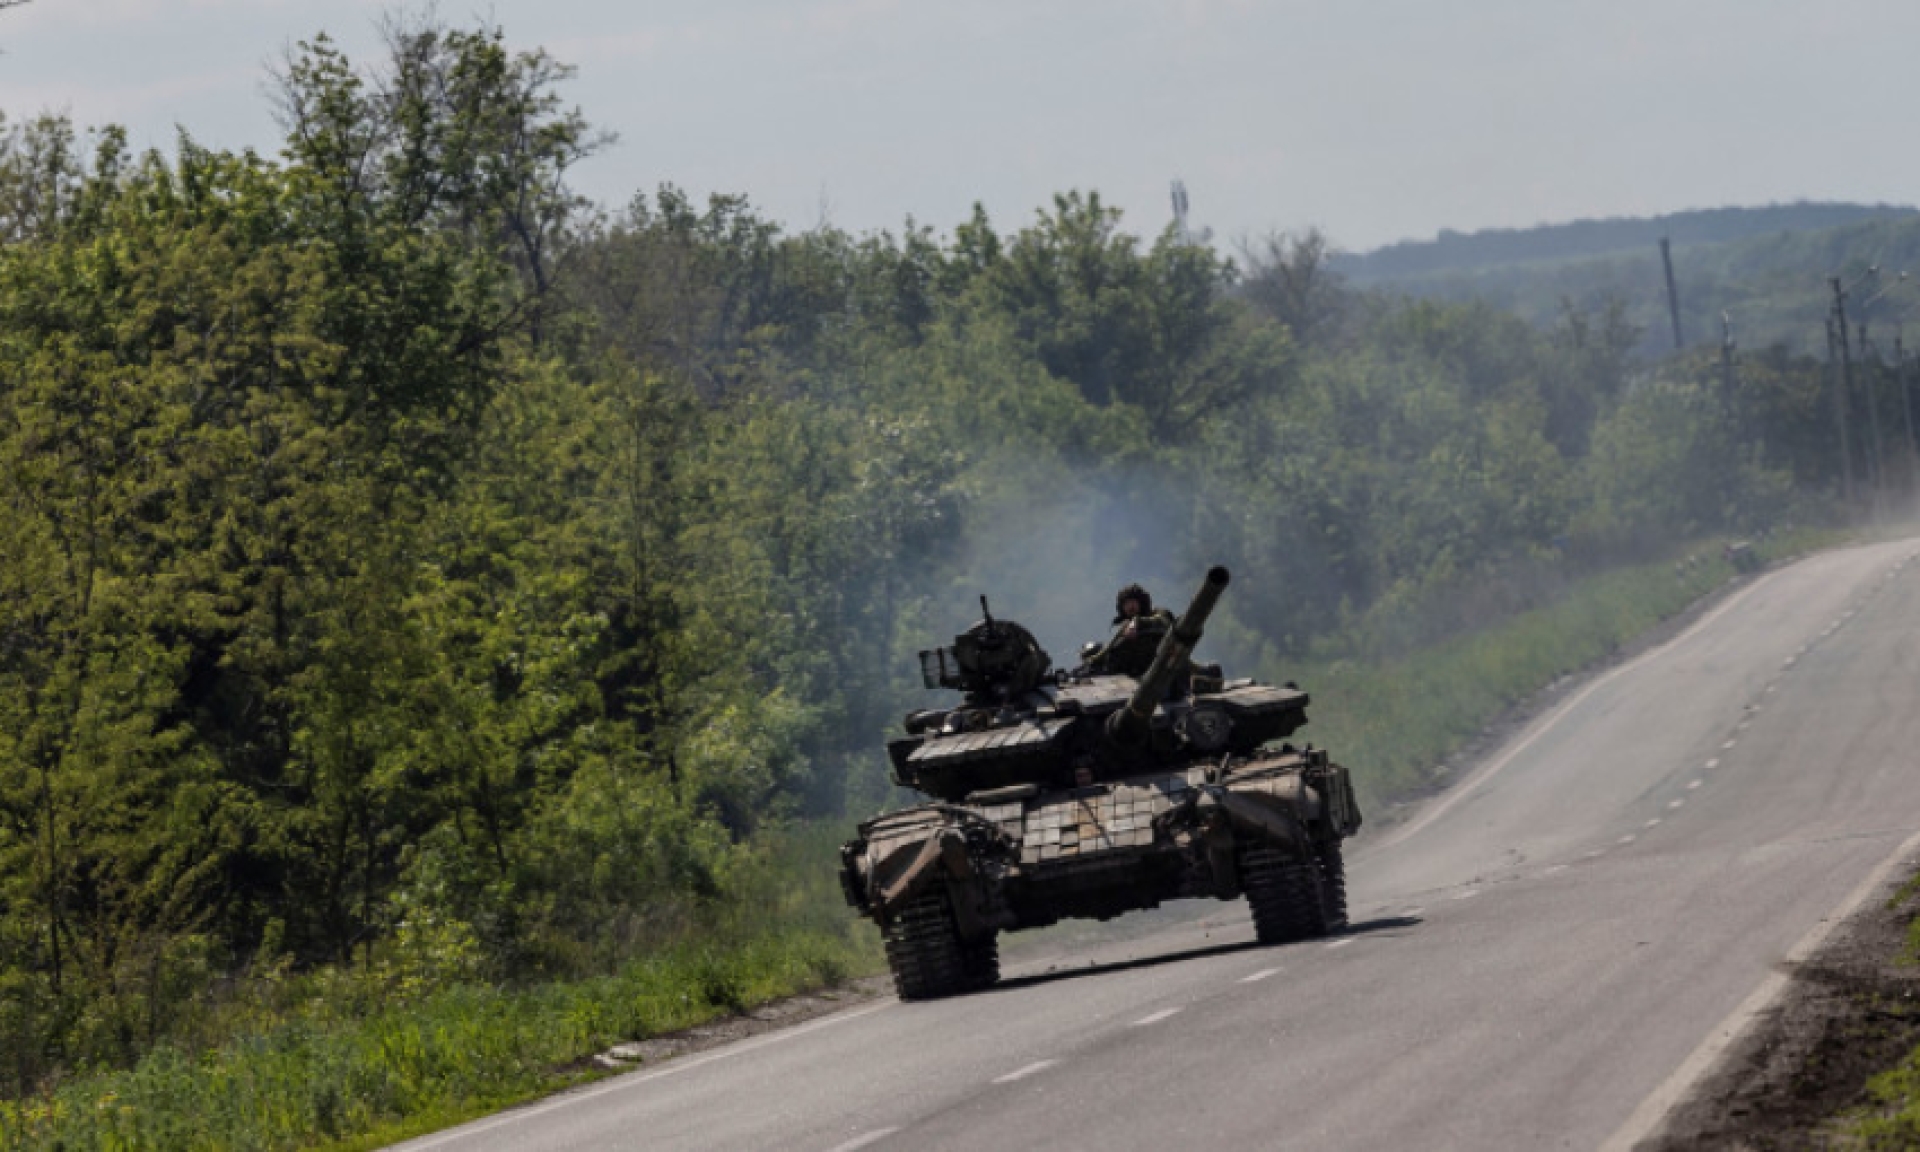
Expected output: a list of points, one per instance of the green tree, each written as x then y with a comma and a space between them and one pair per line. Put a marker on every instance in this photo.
1154, 330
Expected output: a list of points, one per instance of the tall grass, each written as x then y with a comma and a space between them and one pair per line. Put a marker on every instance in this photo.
343, 1072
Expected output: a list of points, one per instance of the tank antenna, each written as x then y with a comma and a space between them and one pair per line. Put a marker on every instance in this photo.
986, 611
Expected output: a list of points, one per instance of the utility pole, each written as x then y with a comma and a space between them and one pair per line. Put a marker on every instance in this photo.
1871, 367
1726, 363
1906, 406
1846, 344
1673, 293
1728, 432
1840, 416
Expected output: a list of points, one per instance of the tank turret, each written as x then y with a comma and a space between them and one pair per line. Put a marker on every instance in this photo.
1131, 724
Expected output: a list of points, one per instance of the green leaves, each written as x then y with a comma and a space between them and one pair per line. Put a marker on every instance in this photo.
1151, 329
232, 398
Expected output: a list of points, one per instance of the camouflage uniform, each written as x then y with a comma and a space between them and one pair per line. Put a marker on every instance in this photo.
1130, 652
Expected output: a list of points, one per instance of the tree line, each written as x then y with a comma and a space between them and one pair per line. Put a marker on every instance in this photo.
399, 551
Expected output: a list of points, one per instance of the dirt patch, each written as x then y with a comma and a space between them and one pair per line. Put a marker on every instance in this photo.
728, 1029
1851, 1011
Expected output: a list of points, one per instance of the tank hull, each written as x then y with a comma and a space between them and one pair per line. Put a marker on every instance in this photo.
1030, 857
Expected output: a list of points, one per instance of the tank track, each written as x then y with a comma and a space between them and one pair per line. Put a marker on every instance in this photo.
1285, 896
1333, 883
927, 957
980, 959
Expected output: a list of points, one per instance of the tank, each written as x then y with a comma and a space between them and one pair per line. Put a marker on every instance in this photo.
1059, 793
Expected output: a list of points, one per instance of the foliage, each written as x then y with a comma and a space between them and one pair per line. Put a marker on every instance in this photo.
361, 1060
1149, 330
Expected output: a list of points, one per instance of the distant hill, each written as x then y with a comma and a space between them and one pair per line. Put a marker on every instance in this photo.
1765, 268
1455, 251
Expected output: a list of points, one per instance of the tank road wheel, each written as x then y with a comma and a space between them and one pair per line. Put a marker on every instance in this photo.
1333, 883
1285, 896
924, 950
980, 960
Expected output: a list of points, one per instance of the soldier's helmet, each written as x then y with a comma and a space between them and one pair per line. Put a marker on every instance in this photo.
1131, 592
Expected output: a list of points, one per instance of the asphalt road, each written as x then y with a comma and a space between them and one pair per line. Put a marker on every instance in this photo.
1541, 958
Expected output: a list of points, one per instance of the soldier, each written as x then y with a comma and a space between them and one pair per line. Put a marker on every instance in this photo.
1137, 634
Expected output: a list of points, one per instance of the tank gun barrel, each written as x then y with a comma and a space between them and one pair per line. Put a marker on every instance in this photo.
1129, 725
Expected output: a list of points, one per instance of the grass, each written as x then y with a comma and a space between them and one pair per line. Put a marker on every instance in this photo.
325, 1078
1891, 1119
353, 1072
1893, 1124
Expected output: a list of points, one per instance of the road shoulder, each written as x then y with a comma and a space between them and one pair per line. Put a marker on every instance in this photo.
1850, 1011
772, 1016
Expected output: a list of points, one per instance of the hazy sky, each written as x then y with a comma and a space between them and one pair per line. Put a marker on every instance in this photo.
1376, 120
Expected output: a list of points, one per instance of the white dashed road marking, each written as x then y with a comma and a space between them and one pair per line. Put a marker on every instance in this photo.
1676, 803
873, 1137
1692, 784
1023, 1073
1342, 942
1156, 1017
1258, 976
1627, 839
1472, 784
